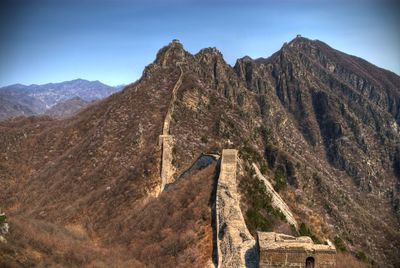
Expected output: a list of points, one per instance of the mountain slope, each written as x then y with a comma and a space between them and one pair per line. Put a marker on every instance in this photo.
322, 125
66, 108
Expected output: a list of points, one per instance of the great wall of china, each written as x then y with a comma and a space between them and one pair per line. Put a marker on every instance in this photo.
236, 247
166, 140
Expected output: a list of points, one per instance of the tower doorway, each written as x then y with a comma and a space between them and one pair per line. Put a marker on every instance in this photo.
310, 262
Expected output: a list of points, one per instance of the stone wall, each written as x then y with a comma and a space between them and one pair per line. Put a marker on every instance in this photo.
295, 259
279, 250
236, 246
166, 141
277, 201
167, 168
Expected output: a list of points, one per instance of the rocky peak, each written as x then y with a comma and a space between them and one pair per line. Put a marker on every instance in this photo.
209, 55
243, 64
213, 68
171, 54
245, 68
168, 56
301, 41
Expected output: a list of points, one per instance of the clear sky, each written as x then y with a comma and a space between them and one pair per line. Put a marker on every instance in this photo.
112, 40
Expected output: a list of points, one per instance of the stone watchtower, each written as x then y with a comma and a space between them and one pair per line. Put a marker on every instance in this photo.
280, 250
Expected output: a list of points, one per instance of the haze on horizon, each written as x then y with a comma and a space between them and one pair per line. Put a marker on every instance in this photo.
112, 41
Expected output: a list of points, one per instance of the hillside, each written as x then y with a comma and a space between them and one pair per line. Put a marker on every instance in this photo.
66, 108
321, 125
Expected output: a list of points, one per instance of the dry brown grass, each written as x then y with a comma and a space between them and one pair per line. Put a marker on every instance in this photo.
43, 244
173, 230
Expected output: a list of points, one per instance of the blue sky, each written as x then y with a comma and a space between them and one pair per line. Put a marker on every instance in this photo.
113, 40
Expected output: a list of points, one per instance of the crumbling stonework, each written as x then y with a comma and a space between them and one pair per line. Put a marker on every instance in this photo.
236, 246
280, 250
277, 201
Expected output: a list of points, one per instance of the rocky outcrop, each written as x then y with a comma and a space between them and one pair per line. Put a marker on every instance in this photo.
277, 201
236, 246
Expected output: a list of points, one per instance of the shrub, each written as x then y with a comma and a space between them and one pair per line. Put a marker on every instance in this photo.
290, 169
271, 154
251, 154
204, 139
317, 179
260, 215
3, 218
305, 231
362, 256
280, 180
266, 134
263, 168
257, 221
339, 243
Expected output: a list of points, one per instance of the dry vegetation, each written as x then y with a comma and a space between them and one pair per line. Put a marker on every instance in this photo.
36, 243
173, 230
349, 261
96, 169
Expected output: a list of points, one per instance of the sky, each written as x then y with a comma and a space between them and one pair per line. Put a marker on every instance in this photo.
44, 41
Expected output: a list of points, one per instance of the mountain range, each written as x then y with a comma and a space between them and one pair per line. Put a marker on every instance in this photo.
18, 99
322, 125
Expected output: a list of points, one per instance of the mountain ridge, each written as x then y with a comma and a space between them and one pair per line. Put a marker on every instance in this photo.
39, 98
322, 132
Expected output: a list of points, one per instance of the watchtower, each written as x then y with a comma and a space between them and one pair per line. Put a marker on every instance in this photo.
280, 250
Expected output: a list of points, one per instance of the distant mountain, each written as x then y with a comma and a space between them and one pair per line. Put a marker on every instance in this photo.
13, 104
67, 108
20, 100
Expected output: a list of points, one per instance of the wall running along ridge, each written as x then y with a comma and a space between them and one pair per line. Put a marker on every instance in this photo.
166, 141
277, 201
236, 246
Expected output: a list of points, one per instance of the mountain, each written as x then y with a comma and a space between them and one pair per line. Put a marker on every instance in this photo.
13, 104
20, 100
321, 125
66, 108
